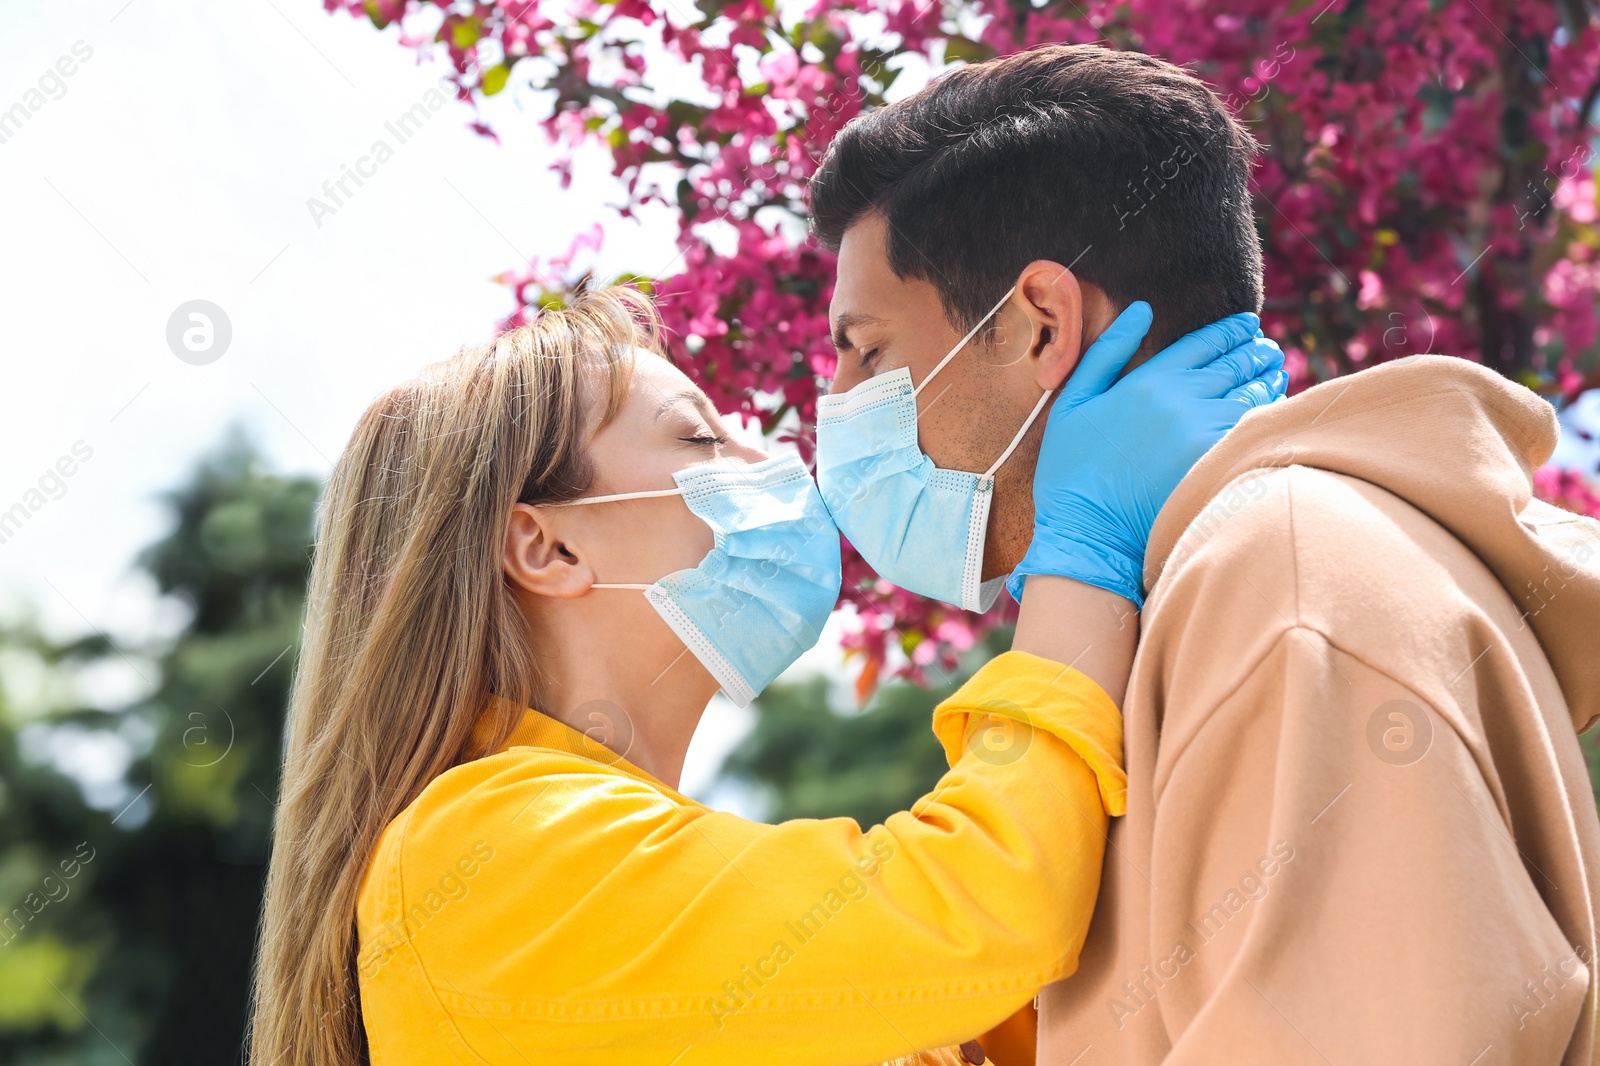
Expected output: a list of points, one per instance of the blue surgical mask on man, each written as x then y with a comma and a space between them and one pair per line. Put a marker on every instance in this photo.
761, 595
919, 526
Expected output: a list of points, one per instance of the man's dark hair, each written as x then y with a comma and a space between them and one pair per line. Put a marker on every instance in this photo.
1123, 167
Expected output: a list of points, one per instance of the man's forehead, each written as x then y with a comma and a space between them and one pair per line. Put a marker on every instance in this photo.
865, 287
864, 248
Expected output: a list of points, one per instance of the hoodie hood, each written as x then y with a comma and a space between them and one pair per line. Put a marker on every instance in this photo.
1458, 442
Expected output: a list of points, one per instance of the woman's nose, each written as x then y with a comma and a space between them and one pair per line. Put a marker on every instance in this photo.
746, 453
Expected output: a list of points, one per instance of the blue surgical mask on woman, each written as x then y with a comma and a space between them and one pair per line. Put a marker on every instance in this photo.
760, 597
920, 526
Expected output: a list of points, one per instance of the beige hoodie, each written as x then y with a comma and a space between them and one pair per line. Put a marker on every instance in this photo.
1360, 828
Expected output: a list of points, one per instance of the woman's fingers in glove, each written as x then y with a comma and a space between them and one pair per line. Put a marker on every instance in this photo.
1202, 347
1270, 387
1238, 366
1098, 369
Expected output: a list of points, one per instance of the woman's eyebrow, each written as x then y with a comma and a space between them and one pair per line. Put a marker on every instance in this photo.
692, 396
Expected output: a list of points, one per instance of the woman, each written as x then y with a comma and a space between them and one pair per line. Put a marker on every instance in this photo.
537, 562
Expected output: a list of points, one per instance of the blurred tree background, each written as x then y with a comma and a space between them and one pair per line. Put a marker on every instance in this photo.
136, 905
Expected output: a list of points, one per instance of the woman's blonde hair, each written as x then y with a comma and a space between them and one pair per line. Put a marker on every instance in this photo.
410, 627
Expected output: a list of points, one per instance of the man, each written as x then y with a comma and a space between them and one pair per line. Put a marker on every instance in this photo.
1359, 827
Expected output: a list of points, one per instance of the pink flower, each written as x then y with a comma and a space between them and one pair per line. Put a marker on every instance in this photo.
1371, 293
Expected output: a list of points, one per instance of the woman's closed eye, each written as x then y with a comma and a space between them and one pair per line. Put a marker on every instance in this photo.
691, 419
700, 431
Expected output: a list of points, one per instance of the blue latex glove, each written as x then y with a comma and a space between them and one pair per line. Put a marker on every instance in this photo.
1114, 450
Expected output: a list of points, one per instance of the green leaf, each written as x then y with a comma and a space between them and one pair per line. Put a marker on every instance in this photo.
33, 973
683, 113
467, 32
494, 79
965, 49
688, 202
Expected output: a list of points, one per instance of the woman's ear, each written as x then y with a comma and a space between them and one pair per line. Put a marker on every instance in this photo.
538, 560
1053, 301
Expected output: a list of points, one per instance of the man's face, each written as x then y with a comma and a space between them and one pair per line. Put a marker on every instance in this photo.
968, 414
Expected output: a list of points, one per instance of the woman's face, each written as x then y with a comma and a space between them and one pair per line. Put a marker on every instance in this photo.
665, 424
610, 666
555, 555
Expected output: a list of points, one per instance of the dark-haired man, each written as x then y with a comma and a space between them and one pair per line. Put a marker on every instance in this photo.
1359, 827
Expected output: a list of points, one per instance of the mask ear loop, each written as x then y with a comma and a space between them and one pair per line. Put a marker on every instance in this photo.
971, 333
647, 494
644, 495
988, 475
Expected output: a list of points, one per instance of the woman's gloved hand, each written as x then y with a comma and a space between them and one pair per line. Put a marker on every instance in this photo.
1114, 450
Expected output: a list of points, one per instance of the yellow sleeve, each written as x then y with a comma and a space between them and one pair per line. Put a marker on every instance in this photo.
613, 922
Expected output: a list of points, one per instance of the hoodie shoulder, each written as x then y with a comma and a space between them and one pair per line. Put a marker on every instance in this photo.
1429, 437
1302, 548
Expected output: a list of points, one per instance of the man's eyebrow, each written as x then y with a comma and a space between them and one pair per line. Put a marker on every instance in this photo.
847, 321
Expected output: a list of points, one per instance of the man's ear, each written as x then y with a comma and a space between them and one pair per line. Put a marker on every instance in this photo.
1053, 301
539, 560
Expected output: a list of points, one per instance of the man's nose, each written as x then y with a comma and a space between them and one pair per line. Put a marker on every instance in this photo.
845, 377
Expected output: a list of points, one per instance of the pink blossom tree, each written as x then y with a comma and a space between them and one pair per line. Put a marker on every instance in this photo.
1428, 183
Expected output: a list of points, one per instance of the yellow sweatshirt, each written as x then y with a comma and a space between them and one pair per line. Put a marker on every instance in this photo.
538, 905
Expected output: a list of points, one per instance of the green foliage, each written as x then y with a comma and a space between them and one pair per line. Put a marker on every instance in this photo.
143, 953
814, 758
1591, 755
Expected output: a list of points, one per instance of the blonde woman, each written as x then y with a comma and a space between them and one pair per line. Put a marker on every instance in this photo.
536, 563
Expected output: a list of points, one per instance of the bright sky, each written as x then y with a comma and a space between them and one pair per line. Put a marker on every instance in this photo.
174, 164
